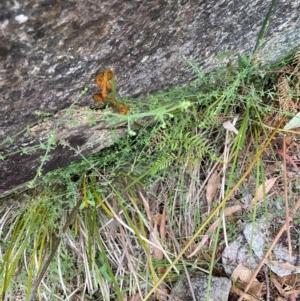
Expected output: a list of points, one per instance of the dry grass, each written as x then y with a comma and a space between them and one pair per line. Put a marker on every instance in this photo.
126, 224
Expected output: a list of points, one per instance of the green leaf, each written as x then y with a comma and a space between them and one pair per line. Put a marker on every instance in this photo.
105, 274
84, 90
24, 150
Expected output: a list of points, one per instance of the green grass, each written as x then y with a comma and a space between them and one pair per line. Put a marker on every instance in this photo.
89, 229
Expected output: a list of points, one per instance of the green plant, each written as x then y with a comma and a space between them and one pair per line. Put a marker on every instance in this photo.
100, 222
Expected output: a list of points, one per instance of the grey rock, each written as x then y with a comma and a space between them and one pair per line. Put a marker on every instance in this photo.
51, 49
250, 246
219, 289
237, 252
260, 237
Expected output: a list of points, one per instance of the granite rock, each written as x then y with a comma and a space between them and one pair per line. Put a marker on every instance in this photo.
219, 289
51, 49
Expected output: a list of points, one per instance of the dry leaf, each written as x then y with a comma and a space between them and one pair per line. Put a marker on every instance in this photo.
232, 209
228, 211
199, 246
243, 274
287, 158
157, 253
286, 265
136, 297
278, 298
154, 235
163, 294
260, 192
147, 209
294, 292
279, 287
230, 127
125, 296
212, 187
246, 296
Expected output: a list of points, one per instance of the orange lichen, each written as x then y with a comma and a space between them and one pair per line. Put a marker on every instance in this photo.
102, 80
105, 81
98, 97
123, 109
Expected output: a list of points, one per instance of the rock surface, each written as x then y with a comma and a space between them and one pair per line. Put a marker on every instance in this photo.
51, 49
220, 287
250, 246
